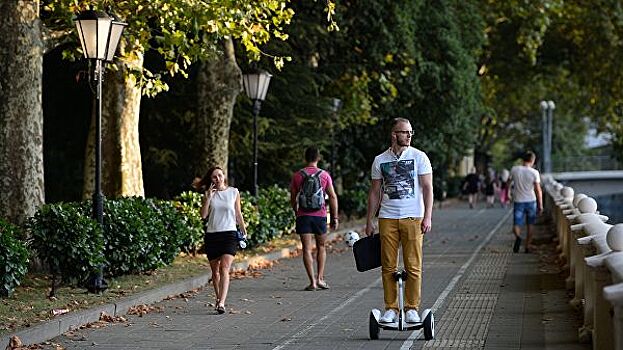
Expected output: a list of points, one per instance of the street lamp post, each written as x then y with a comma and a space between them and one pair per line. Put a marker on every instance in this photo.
99, 36
255, 86
547, 108
335, 107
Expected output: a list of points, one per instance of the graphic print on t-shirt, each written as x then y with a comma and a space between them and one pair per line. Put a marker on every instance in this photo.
398, 179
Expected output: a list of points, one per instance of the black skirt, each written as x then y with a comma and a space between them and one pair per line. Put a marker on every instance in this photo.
220, 243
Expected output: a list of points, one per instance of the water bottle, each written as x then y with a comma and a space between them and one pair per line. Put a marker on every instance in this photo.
242, 241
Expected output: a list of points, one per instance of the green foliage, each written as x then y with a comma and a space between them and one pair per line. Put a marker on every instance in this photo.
141, 234
13, 258
189, 205
179, 230
566, 51
181, 31
354, 201
270, 217
447, 103
67, 240
251, 216
138, 235
453, 186
418, 62
267, 217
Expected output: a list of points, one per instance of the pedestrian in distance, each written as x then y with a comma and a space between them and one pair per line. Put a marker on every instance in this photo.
402, 184
504, 188
222, 215
491, 187
307, 198
471, 186
527, 199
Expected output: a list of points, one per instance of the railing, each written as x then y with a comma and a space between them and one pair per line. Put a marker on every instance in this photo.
593, 255
583, 163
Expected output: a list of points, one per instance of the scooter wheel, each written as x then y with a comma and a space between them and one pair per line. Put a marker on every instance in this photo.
429, 327
374, 327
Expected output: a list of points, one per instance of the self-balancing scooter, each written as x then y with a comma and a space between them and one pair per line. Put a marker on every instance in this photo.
427, 319
367, 251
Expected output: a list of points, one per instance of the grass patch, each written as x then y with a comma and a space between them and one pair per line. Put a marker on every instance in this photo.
30, 303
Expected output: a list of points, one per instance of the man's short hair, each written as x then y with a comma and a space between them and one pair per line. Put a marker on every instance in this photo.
312, 154
528, 156
395, 122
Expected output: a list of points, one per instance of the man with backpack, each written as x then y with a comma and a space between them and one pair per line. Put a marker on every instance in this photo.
307, 197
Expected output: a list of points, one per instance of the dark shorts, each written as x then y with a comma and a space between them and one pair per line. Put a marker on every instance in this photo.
524, 212
217, 244
311, 224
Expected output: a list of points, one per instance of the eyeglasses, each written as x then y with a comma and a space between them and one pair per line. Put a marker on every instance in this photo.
404, 132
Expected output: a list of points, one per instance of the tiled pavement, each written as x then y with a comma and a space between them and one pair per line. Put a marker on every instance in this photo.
483, 295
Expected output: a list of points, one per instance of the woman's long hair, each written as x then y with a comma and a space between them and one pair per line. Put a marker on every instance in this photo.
202, 184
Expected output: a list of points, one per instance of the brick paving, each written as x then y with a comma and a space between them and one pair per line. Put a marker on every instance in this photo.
483, 295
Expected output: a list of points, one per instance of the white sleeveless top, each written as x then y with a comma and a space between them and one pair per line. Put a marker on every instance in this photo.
222, 212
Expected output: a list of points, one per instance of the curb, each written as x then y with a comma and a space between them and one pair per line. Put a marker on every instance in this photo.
56, 327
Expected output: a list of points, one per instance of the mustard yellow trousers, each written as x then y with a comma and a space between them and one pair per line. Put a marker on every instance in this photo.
408, 233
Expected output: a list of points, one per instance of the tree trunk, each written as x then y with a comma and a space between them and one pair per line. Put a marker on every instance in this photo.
218, 84
21, 113
121, 155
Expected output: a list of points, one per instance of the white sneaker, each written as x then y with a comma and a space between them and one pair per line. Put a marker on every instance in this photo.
412, 316
388, 317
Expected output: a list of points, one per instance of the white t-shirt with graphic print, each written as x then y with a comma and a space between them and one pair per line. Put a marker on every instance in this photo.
401, 192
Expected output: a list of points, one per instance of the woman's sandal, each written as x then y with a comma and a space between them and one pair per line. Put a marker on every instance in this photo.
323, 285
310, 288
220, 309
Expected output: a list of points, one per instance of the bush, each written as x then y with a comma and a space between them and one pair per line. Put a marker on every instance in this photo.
177, 229
13, 258
189, 206
271, 217
268, 217
140, 235
354, 202
67, 240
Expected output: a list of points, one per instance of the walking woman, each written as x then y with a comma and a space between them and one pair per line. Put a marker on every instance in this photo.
221, 212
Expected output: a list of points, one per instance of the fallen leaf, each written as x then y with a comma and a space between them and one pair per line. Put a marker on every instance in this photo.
57, 312
15, 342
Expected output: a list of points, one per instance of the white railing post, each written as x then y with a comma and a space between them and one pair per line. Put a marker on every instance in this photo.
589, 282
593, 251
614, 294
602, 322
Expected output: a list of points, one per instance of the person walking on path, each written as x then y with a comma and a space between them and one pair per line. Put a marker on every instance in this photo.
491, 187
471, 186
402, 183
307, 198
504, 188
527, 199
221, 212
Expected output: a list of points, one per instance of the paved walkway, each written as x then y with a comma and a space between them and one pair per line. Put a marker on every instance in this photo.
483, 296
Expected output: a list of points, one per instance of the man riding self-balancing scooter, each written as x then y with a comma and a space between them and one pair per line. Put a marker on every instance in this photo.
368, 256
401, 189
